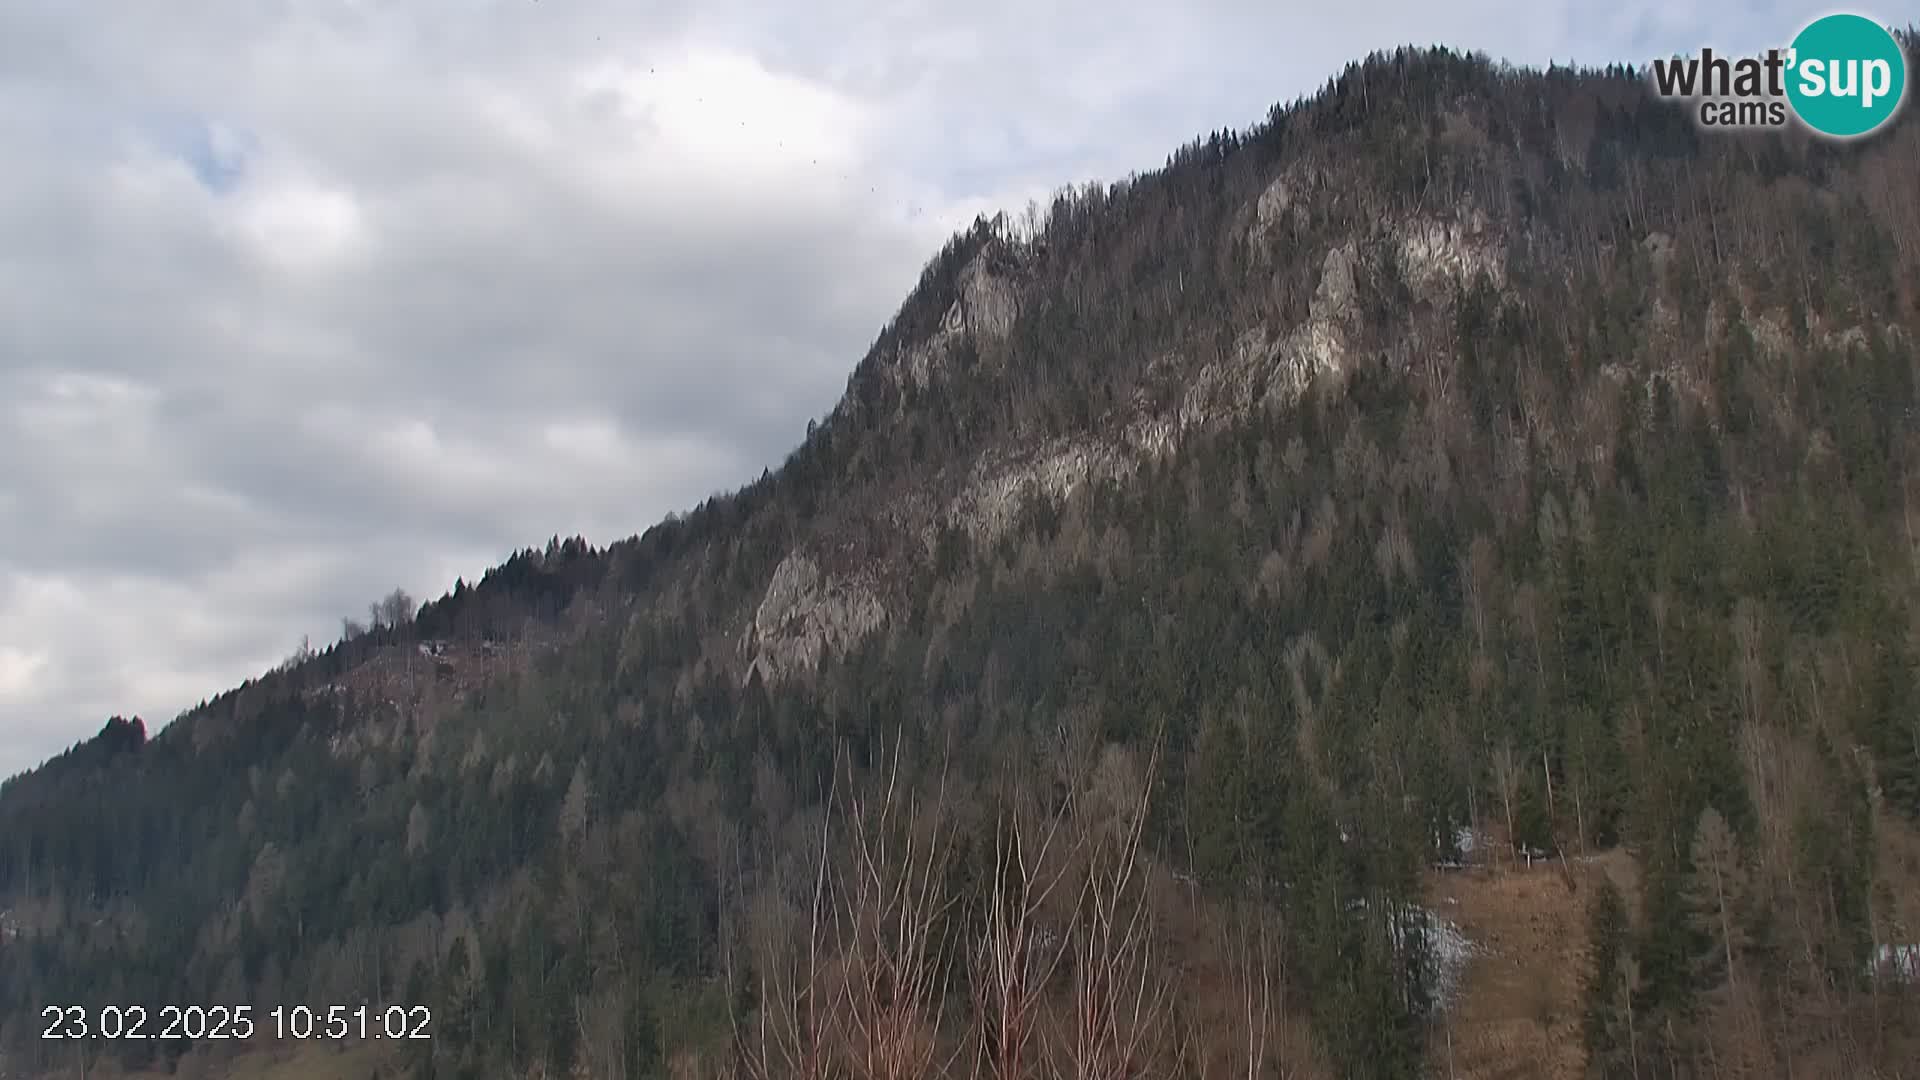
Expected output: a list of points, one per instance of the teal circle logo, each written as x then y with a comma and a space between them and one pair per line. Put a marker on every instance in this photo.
1846, 75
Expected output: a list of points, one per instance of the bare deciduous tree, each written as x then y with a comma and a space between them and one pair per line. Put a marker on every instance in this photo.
1258, 973
602, 1019
1721, 880
392, 610
892, 906
861, 992
1015, 958
796, 1010
1506, 776
1068, 977
1120, 1024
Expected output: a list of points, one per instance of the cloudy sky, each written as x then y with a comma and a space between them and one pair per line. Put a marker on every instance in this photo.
300, 301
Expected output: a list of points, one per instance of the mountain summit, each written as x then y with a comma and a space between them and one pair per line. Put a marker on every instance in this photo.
1424, 583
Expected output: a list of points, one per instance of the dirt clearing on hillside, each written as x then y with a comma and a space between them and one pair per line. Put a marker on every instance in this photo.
1517, 1013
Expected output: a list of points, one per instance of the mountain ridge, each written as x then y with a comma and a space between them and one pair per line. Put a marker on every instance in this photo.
961, 271
1317, 484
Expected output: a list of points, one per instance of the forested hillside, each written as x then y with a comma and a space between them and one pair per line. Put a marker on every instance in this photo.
1462, 457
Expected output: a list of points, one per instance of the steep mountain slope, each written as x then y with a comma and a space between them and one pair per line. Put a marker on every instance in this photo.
1463, 452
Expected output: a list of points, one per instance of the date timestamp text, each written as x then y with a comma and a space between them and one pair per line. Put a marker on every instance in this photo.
197, 1022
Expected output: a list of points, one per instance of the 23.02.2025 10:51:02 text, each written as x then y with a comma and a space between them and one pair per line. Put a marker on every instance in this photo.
195, 1022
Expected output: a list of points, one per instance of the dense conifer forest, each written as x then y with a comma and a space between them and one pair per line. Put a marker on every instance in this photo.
1466, 470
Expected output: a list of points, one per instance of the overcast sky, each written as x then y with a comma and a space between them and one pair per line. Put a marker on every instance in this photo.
303, 301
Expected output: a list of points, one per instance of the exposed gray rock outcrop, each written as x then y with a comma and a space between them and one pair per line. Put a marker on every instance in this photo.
999, 491
804, 612
985, 309
1317, 347
1435, 255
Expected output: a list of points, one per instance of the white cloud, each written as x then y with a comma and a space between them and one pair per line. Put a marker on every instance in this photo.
18, 671
300, 226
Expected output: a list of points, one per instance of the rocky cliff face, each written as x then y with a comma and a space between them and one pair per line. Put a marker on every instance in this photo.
804, 611
983, 312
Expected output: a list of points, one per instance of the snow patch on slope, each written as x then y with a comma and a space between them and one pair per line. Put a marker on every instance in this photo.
1448, 951
1897, 963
